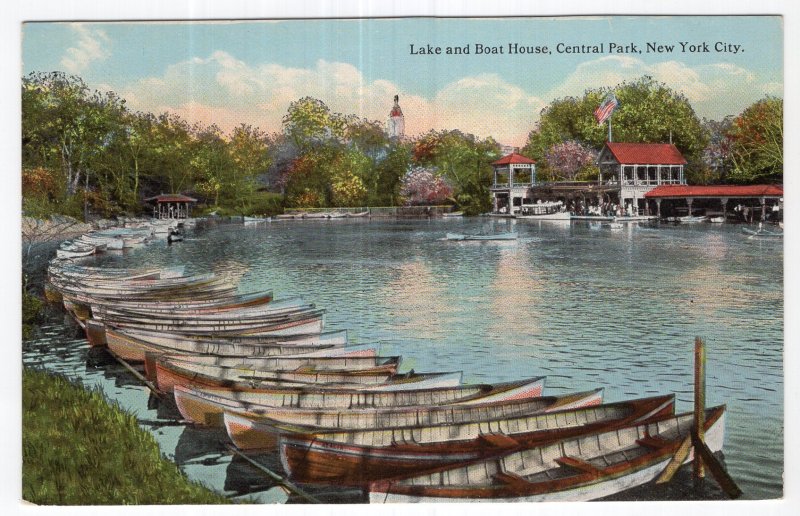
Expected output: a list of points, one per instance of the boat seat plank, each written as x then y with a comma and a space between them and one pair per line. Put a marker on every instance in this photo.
499, 440
511, 479
652, 442
576, 463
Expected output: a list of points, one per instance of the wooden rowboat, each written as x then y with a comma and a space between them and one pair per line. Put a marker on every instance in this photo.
354, 457
582, 468
300, 323
133, 345
169, 373
207, 405
497, 236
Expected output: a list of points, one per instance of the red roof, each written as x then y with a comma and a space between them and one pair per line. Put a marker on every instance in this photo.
514, 158
171, 198
715, 191
646, 153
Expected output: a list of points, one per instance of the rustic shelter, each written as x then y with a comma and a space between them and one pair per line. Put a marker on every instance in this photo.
171, 206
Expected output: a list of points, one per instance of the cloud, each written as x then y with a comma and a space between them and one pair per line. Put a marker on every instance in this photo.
714, 90
92, 45
226, 91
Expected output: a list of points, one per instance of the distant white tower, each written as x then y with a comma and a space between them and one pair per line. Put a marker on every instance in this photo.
396, 124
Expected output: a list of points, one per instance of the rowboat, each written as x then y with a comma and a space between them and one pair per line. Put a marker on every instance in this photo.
217, 305
168, 373
716, 220
344, 446
255, 220
496, 236
691, 219
206, 405
75, 250
204, 314
133, 345
452, 214
111, 243
357, 457
582, 468
301, 322
762, 233
296, 363
358, 214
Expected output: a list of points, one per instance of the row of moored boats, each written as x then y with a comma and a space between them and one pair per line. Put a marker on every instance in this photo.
270, 373
134, 233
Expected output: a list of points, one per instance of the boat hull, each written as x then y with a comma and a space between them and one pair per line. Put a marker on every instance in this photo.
573, 480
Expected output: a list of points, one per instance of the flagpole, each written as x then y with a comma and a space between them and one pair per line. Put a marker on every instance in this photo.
609, 128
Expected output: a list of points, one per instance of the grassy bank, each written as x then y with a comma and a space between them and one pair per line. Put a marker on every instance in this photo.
77, 449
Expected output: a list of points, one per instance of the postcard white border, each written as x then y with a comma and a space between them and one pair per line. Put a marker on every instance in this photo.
29, 10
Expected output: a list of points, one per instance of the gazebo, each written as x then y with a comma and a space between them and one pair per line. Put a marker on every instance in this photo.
514, 174
171, 206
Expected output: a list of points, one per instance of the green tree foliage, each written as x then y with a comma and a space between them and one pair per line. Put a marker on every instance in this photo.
464, 160
757, 143
648, 112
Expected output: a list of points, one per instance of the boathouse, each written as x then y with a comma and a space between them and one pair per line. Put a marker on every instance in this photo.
743, 202
637, 168
514, 175
171, 206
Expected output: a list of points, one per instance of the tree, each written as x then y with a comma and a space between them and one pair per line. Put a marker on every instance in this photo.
464, 160
569, 158
757, 142
310, 123
648, 112
422, 186
250, 158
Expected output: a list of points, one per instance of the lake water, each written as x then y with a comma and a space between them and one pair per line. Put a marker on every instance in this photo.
583, 305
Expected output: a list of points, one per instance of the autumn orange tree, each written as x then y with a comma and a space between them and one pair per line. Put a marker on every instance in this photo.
756, 138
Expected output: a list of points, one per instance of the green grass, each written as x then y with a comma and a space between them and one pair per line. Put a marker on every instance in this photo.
77, 449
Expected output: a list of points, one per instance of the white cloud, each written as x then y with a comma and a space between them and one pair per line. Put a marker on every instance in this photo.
92, 45
224, 90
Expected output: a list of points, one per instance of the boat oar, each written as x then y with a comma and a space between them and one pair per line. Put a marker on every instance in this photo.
696, 438
717, 471
676, 462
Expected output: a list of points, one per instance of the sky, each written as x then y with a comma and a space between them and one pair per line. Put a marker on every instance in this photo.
250, 71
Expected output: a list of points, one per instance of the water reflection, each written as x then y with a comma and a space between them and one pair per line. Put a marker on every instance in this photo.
585, 306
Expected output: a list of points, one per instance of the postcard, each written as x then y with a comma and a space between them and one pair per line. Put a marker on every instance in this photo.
436, 259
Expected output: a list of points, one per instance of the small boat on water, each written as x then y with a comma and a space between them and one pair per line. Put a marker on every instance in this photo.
690, 219
716, 220
75, 249
582, 468
168, 373
134, 346
544, 211
762, 233
206, 405
496, 236
452, 214
256, 220
358, 214
359, 457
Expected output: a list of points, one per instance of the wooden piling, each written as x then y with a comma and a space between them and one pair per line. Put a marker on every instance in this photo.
699, 403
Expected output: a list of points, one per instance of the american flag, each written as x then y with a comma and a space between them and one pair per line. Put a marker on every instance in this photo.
605, 110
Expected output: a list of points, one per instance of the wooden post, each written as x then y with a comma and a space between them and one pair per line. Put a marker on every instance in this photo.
699, 402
